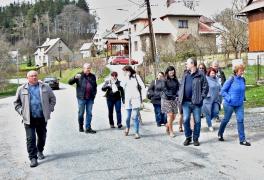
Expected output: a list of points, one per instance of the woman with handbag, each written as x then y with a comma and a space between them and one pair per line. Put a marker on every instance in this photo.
169, 98
154, 94
134, 89
114, 94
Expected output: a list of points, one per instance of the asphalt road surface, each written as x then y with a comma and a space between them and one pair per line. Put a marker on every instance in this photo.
108, 154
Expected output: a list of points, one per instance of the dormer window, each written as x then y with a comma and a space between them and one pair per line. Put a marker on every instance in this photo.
183, 24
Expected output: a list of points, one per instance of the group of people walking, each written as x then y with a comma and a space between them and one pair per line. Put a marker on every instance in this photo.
200, 91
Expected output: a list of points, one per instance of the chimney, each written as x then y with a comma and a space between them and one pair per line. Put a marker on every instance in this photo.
169, 2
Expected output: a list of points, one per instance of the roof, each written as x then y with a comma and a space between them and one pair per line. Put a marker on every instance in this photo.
86, 46
205, 20
183, 37
116, 41
159, 27
177, 9
142, 13
48, 44
109, 35
124, 28
116, 27
205, 29
253, 5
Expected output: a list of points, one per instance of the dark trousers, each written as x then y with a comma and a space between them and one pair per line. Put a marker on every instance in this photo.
161, 118
39, 127
117, 104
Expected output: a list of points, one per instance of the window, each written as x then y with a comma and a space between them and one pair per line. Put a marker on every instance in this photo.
135, 27
183, 23
136, 45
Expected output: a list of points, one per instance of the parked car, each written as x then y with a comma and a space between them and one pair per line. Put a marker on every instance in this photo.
110, 59
53, 82
123, 60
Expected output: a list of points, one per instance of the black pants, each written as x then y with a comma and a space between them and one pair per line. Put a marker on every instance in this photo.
37, 126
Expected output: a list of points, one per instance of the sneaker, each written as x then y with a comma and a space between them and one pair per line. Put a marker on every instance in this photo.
211, 129
187, 141
90, 130
137, 136
33, 162
41, 155
172, 135
119, 126
196, 143
245, 143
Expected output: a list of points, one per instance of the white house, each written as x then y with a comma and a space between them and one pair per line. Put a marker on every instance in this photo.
86, 50
50, 51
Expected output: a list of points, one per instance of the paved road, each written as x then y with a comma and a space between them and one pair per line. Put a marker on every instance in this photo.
110, 155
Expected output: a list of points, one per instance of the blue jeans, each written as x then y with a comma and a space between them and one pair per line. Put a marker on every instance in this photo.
228, 110
134, 113
189, 108
214, 113
161, 118
117, 104
85, 104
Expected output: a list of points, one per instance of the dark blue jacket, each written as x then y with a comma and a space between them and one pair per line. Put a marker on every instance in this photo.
200, 88
233, 91
81, 85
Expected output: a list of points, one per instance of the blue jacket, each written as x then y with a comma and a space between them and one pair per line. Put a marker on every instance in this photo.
233, 91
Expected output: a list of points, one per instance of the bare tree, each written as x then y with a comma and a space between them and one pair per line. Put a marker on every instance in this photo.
234, 34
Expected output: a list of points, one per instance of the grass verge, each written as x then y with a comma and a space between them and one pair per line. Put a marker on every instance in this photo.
8, 90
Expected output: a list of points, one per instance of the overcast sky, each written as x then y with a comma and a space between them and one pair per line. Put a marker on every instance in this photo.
109, 15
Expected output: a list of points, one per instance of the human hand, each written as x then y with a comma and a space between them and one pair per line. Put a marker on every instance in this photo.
77, 76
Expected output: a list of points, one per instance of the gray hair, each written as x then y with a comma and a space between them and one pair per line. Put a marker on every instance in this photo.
31, 72
215, 63
86, 65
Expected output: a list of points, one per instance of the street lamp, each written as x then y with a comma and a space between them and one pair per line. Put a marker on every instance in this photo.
129, 35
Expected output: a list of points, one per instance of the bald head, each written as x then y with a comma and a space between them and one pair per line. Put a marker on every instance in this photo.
87, 68
32, 77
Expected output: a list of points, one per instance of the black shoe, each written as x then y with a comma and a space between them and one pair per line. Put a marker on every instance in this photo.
220, 138
119, 126
158, 125
112, 126
81, 128
187, 141
40, 156
245, 143
33, 162
196, 143
90, 131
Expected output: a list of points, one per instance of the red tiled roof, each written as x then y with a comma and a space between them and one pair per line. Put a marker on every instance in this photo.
205, 29
183, 37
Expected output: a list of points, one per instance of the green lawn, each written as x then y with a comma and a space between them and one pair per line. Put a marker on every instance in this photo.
8, 90
255, 96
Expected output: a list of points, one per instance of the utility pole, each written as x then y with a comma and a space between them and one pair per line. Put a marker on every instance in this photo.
151, 37
59, 60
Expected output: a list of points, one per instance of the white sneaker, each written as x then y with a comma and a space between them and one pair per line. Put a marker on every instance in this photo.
211, 129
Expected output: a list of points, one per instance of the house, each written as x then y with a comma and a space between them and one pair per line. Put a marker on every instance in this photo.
50, 51
88, 50
254, 11
171, 26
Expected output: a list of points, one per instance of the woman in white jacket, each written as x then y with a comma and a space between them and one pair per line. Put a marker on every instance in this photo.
134, 89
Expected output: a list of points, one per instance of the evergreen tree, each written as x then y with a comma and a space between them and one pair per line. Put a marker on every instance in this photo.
83, 5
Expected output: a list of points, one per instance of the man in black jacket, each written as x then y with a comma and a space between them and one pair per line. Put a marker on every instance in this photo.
86, 89
193, 90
